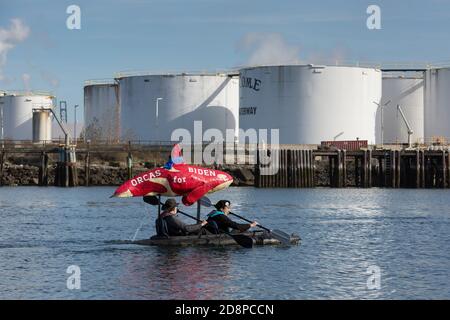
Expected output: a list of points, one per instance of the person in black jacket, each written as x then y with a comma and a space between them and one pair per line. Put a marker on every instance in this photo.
175, 226
219, 218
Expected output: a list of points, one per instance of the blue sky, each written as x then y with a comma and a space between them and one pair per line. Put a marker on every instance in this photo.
189, 35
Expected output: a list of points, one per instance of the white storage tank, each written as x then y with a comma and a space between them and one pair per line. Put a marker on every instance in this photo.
309, 103
437, 105
42, 125
18, 113
407, 91
153, 106
101, 110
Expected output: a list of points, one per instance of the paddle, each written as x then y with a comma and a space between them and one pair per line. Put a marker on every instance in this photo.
205, 201
281, 236
241, 239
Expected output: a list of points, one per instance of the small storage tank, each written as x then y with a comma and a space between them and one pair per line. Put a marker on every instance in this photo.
101, 110
310, 103
18, 113
42, 125
437, 105
406, 90
153, 106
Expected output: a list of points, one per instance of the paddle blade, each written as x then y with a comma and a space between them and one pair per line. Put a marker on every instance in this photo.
205, 201
152, 200
281, 236
242, 240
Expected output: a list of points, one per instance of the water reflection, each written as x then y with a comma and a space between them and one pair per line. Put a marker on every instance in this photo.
405, 232
177, 273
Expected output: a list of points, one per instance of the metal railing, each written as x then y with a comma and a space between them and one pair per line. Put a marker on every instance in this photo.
433, 141
363, 64
132, 73
27, 93
99, 82
235, 69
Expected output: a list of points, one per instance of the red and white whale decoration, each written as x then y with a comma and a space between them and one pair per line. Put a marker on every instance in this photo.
176, 179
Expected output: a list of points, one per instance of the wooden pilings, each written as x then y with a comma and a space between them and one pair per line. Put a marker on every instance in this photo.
344, 168
278, 168
286, 169
338, 169
417, 182
391, 172
43, 170
422, 168
448, 170
391, 164
372, 168
363, 169
397, 168
66, 168
2, 161
444, 170
87, 168
381, 172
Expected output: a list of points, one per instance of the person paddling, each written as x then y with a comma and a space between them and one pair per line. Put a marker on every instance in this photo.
218, 220
168, 224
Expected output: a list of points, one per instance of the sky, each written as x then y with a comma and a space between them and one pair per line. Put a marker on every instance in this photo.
38, 52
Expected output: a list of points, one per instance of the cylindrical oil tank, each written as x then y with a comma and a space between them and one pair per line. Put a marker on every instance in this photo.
18, 113
309, 103
101, 110
406, 91
153, 106
42, 125
437, 105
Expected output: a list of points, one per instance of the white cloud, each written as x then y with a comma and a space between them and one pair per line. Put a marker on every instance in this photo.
273, 49
268, 49
17, 32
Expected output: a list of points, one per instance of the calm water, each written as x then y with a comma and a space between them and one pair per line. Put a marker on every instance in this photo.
406, 233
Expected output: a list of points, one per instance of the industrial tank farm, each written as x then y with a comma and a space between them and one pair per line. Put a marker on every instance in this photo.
101, 110
17, 113
437, 105
309, 103
407, 91
153, 106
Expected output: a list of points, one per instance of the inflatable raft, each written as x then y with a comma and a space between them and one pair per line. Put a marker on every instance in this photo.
259, 239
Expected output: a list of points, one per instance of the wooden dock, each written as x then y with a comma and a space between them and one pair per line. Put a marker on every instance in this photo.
291, 167
295, 170
370, 168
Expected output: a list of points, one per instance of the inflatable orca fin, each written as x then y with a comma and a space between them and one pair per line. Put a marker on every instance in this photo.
195, 194
176, 155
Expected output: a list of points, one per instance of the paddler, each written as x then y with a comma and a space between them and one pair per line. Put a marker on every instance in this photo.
219, 218
176, 227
